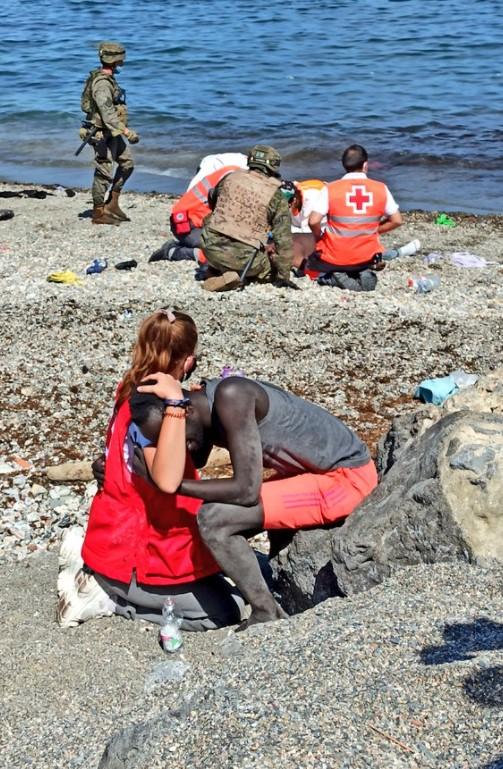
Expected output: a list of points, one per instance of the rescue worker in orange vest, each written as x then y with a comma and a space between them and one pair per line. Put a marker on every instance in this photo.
187, 217
248, 232
358, 210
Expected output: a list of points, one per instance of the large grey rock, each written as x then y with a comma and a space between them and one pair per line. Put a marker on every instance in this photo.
440, 501
303, 572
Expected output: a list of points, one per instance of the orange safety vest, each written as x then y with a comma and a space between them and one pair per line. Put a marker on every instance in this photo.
355, 207
194, 202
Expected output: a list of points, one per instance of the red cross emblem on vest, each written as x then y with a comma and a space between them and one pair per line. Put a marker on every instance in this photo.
359, 199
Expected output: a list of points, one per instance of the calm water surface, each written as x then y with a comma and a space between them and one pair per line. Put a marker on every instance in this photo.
416, 81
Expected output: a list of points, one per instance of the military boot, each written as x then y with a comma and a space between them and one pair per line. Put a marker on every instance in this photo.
100, 216
113, 209
226, 282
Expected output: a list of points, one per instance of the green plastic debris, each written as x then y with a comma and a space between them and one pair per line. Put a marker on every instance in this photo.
445, 221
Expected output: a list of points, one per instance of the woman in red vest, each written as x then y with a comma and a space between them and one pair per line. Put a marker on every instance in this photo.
141, 544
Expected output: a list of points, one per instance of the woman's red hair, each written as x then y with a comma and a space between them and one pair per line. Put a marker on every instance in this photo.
165, 339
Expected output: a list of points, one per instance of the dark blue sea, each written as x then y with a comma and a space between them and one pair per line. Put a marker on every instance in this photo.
418, 82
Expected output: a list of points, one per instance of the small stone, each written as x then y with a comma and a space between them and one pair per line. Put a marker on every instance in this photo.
59, 491
38, 490
70, 471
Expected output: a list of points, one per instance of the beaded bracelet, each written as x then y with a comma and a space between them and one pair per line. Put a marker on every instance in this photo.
175, 411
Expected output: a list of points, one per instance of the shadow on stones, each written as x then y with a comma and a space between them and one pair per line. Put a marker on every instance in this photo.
463, 640
496, 764
486, 687
87, 214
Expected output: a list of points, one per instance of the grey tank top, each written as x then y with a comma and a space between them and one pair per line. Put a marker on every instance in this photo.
298, 437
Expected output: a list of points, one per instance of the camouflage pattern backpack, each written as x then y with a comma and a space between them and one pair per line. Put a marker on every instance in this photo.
86, 100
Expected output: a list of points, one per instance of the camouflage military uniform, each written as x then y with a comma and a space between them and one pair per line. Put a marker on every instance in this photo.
109, 147
225, 253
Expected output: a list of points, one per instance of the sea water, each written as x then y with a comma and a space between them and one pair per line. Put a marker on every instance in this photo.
417, 82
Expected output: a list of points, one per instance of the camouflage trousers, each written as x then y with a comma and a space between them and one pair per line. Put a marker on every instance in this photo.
224, 254
107, 151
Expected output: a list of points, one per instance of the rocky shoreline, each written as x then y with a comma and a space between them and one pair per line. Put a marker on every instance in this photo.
64, 347
405, 675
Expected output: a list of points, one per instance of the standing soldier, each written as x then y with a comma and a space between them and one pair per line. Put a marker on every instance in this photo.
104, 103
249, 211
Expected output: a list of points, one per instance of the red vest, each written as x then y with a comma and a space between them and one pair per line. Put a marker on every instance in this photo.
195, 201
355, 207
133, 525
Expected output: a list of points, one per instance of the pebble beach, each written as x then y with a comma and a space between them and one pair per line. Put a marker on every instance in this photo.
64, 348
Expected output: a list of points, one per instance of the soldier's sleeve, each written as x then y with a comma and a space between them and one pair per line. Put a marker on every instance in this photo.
102, 95
280, 223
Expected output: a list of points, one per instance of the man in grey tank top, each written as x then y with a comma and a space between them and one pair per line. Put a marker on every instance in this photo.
323, 471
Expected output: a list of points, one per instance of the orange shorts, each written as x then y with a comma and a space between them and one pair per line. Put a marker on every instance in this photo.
310, 500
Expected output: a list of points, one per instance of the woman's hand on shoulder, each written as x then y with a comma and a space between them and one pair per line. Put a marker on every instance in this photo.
162, 385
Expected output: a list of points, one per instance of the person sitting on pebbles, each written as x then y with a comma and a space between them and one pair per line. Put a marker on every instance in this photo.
142, 543
358, 209
187, 218
323, 470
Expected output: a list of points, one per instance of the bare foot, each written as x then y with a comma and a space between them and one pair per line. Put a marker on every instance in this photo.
258, 616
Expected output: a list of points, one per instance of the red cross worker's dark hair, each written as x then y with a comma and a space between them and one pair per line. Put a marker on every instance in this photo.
354, 157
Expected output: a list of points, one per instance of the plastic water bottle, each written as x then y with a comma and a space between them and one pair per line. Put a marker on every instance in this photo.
170, 634
423, 285
97, 266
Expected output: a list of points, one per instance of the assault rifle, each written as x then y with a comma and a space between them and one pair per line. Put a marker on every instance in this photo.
89, 136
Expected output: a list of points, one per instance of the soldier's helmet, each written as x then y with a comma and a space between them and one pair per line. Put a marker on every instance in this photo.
265, 158
111, 52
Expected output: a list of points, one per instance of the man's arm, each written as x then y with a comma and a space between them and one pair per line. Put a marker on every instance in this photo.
234, 406
319, 213
390, 223
314, 221
280, 223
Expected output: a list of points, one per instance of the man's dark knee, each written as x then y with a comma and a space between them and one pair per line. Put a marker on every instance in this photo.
209, 522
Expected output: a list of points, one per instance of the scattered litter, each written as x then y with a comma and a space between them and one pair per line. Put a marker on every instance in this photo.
130, 264
165, 672
459, 259
467, 259
436, 391
127, 314
433, 257
463, 379
422, 284
65, 277
98, 265
231, 371
445, 221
